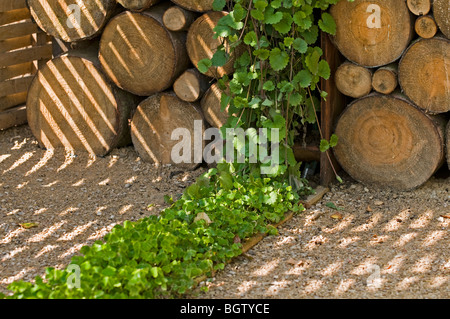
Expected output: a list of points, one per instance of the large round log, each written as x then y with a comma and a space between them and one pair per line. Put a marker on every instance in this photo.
72, 104
372, 33
441, 12
195, 5
384, 140
201, 44
423, 74
157, 124
139, 54
137, 5
211, 107
353, 80
72, 20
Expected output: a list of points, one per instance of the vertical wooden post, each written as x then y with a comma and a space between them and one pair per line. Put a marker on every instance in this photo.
330, 108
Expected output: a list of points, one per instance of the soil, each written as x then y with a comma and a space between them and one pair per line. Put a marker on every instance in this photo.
74, 200
372, 244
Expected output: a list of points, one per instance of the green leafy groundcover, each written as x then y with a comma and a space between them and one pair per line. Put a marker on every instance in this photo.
160, 256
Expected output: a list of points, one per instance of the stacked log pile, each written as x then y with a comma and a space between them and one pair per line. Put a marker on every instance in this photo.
126, 72
394, 131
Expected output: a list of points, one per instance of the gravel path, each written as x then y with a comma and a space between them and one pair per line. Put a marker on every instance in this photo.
384, 244
74, 200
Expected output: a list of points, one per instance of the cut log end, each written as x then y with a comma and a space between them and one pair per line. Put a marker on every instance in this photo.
201, 44
385, 79
353, 80
137, 5
385, 141
197, 5
419, 7
191, 85
178, 19
211, 107
71, 104
160, 117
426, 27
372, 33
70, 21
441, 12
423, 74
142, 62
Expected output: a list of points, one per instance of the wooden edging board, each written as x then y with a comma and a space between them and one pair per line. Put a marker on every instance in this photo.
310, 201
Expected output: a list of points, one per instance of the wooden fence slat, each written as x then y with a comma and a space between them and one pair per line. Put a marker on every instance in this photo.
25, 55
13, 117
8, 5
17, 30
7, 102
15, 70
15, 43
14, 16
15, 86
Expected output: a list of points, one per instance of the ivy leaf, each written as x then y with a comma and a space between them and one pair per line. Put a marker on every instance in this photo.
311, 35
204, 65
300, 45
262, 54
268, 86
218, 5
257, 14
324, 70
333, 140
324, 146
327, 23
272, 17
239, 12
275, 4
251, 39
285, 24
219, 58
303, 78
260, 4
278, 59
312, 61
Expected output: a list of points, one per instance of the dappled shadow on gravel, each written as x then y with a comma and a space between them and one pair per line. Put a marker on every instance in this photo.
74, 200
378, 244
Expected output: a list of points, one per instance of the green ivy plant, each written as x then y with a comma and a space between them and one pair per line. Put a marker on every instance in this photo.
275, 82
161, 256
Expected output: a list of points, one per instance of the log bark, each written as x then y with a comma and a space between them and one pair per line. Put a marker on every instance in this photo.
139, 54
196, 5
385, 79
154, 124
419, 7
211, 108
178, 19
138, 5
72, 20
202, 45
72, 104
423, 74
385, 141
191, 85
425, 27
372, 33
353, 80
441, 12
13, 117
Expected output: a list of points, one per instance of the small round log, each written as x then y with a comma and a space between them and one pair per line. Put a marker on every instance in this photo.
178, 19
426, 27
191, 85
419, 7
353, 80
211, 107
385, 79
137, 5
